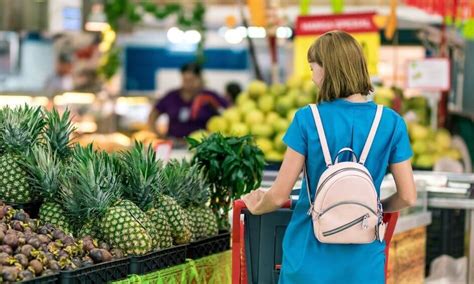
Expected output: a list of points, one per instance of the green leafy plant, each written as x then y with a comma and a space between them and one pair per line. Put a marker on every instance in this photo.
233, 165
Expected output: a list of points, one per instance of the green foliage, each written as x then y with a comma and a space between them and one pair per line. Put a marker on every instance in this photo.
233, 165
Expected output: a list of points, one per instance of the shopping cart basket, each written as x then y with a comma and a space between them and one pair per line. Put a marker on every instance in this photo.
257, 243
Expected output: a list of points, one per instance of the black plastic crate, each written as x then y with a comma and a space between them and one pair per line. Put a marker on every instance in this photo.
445, 234
50, 279
98, 273
31, 208
158, 260
209, 246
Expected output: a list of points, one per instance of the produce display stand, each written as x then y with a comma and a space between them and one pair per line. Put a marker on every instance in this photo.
99, 273
161, 259
252, 260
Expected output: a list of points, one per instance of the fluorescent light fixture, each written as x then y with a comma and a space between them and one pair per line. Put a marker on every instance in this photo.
15, 100
233, 36
257, 32
74, 98
192, 37
242, 31
96, 26
284, 32
175, 35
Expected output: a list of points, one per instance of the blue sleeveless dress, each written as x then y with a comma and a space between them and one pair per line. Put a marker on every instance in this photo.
346, 124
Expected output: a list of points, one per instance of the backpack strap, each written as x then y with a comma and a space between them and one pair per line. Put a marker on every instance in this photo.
322, 136
370, 138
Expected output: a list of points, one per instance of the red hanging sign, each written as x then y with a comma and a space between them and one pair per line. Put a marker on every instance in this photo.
351, 23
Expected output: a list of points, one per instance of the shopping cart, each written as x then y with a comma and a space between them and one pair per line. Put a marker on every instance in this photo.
257, 243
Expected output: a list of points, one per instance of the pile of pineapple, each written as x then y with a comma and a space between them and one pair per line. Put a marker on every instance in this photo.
129, 200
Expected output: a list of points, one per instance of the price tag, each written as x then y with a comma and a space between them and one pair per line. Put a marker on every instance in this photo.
163, 149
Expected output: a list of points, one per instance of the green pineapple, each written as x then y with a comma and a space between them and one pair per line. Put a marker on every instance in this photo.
193, 195
20, 129
92, 194
45, 169
140, 172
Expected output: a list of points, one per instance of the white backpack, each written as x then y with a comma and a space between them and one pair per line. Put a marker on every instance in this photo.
346, 208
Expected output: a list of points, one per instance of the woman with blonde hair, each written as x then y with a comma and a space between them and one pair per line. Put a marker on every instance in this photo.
340, 71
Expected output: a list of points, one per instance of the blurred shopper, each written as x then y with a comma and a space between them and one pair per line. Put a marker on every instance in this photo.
232, 90
189, 107
62, 79
340, 71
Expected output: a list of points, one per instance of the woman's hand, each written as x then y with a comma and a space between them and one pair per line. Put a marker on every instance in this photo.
252, 200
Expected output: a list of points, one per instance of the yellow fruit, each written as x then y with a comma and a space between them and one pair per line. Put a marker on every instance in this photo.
278, 90
271, 118
274, 156
294, 82
309, 87
418, 132
304, 100
281, 125
283, 105
242, 97
264, 144
257, 89
420, 147
232, 115
443, 139
247, 106
266, 103
217, 124
254, 117
291, 115
199, 135
425, 161
453, 154
278, 142
239, 129
261, 130
384, 92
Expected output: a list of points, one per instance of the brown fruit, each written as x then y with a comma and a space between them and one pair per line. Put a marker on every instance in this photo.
47, 272
67, 240
100, 255
6, 249
54, 265
58, 234
104, 245
17, 225
35, 242
22, 259
117, 253
26, 275
21, 216
2, 235
37, 266
27, 249
87, 261
11, 240
44, 239
10, 273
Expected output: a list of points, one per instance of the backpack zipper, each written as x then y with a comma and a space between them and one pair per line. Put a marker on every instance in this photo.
361, 219
335, 173
345, 202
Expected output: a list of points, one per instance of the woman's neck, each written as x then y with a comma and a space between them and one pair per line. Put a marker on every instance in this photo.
356, 98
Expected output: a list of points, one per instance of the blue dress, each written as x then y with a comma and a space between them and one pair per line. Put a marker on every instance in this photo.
346, 124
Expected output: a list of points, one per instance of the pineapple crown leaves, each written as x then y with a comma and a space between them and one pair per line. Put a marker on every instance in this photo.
58, 131
185, 183
140, 175
44, 172
91, 185
21, 128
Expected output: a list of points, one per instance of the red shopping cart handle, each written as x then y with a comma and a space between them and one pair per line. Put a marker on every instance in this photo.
236, 245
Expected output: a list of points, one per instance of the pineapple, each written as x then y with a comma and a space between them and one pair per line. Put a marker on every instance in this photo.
141, 181
44, 166
92, 194
193, 194
45, 169
20, 129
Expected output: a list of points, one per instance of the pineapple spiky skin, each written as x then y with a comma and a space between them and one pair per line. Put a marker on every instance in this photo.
14, 186
196, 221
88, 229
142, 218
158, 218
121, 230
180, 227
52, 213
210, 227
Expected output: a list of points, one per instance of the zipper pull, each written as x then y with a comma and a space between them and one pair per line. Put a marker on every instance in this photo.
310, 210
365, 222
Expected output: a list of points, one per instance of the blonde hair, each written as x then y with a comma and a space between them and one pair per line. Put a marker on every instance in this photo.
345, 68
